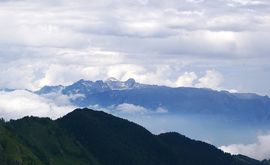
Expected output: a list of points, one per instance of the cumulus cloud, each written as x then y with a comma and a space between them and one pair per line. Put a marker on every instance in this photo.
59, 42
187, 79
156, 74
212, 79
20, 103
259, 150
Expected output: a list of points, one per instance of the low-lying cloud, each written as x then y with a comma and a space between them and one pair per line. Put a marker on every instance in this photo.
16, 104
259, 150
131, 109
19, 103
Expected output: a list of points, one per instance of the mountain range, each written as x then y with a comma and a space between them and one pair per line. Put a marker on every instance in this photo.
182, 100
92, 137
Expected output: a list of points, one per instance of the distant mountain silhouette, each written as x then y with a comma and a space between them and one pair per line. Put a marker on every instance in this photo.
182, 100
92, 137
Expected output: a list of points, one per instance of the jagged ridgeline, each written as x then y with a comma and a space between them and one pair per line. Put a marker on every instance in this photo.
243, 107
91, 137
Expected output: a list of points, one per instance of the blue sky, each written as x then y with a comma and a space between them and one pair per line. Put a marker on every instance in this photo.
219, 44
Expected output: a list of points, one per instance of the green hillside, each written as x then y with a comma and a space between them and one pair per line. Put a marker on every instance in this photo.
49, 142
14, 152
87, 137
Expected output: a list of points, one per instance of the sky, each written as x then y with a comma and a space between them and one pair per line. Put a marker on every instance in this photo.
219, 44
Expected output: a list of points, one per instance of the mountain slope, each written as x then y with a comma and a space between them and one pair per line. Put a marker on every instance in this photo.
49, 142
12, 151
186, 150
112, 139
92, 137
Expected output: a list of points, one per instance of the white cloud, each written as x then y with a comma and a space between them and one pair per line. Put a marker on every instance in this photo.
59, 99
16, 76
161, 110
248, 2
259, 150
212, 79
20, 103
144, 74
53, 42
131, 109
186, 80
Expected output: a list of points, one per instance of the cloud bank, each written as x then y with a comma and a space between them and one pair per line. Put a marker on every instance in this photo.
161, 42
259, 150
19, 103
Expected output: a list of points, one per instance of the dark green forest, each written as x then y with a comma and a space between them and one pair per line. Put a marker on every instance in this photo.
87, 137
